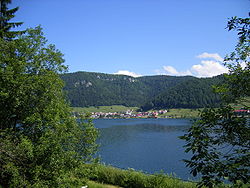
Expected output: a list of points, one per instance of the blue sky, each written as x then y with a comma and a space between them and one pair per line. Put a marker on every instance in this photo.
144, 37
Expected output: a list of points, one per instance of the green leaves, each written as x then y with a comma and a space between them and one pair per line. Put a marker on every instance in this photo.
41, 144
217, 140
220, 139
242, 26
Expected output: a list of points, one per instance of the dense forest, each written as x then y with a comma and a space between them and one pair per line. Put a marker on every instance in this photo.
192, 93
148, 92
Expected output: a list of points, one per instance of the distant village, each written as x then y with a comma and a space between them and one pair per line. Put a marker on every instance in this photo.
127, 114
150, 114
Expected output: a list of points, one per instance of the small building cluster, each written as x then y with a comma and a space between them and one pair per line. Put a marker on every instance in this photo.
241, 112
127, 114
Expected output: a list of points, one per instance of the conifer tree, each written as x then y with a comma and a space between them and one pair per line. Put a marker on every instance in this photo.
5, 25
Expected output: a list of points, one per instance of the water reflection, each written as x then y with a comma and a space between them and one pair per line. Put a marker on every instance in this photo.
121, 133
150, 145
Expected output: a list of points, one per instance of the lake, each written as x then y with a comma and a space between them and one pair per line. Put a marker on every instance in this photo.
149, 145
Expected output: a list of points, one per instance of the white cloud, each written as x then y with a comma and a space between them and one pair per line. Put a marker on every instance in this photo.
170, 70
208, 69
206, 55
128, 73
243, 65
173, 72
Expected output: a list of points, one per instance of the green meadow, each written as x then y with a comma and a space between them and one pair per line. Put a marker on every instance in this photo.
172, 113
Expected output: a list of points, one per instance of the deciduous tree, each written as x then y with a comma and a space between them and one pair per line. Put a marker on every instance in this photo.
220, 139
41, 144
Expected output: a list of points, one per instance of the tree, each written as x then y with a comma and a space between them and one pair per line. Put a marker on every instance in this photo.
41, 144
220, 140
5, 16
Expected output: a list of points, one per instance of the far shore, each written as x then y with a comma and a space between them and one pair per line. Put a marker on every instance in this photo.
123, 112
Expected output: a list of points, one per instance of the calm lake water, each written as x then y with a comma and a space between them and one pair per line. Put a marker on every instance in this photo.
149, 145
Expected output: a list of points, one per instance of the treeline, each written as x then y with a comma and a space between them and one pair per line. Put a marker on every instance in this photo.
85, 89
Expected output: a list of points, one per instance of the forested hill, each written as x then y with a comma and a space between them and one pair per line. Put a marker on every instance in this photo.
149, 92
192, 93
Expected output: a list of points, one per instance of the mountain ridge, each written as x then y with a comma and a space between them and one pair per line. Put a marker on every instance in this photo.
101, 89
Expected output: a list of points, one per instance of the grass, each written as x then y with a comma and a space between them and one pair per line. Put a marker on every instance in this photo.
134, 179
102, 176
92, 184
173, 113
244, 102
182, 113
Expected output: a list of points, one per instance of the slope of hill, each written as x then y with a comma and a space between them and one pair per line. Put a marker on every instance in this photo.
99, 89
192, 93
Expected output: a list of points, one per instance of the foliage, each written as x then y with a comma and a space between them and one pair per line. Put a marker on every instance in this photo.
41, 145
86, 89
220, 140
220, 144
237, 87
5, 16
